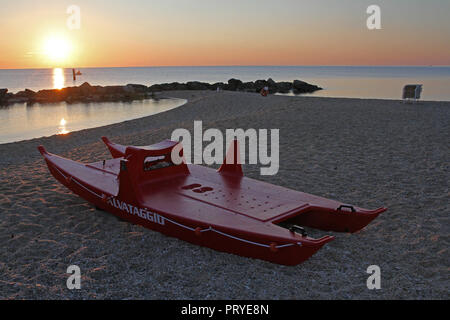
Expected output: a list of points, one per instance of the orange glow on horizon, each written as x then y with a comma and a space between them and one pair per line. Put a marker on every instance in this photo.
216, 33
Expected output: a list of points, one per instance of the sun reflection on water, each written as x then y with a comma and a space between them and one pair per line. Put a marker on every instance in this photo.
58, 78
62, 127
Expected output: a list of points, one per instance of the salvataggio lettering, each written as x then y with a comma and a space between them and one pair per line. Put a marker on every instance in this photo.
133, 210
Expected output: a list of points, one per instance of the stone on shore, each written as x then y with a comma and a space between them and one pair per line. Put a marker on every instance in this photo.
86, 93
136, 87
3, 95
233, 84
304, 87
196, 85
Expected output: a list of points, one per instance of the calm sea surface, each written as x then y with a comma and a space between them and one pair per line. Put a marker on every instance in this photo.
352, 82
20, 122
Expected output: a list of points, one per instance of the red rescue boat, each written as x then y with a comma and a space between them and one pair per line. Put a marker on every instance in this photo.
222, 209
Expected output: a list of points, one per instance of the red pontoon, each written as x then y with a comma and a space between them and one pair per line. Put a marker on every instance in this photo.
222, 210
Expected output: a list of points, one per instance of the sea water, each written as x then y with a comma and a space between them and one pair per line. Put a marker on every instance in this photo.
21, 121
337, 81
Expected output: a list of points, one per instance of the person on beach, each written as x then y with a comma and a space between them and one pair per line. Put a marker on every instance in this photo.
265, 91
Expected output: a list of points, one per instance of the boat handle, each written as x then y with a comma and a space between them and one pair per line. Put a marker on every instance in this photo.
123, 165
346, 206
294, 228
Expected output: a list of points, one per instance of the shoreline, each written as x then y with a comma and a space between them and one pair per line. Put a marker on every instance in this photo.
370, 152
159, 95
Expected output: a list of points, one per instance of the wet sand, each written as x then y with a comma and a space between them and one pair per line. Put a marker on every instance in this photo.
370, 153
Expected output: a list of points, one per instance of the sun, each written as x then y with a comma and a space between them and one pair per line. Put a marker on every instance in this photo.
57, 48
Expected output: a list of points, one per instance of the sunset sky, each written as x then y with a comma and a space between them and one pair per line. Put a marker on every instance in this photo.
232, 32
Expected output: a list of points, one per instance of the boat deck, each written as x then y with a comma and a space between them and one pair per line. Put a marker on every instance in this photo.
99, 177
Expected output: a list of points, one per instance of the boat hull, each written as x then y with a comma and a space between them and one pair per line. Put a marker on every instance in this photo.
246, 245
222, 210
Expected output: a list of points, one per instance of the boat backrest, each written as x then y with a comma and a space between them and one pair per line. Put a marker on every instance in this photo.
152, 162
156, 149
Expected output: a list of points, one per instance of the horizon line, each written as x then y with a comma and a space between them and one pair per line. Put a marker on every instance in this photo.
209, 66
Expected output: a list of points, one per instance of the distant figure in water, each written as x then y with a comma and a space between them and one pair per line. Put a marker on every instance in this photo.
75, 74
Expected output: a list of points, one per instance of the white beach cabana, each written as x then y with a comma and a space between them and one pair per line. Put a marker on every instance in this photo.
411, 92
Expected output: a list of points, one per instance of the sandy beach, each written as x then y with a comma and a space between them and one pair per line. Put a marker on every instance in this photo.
370, 153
